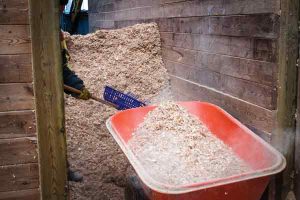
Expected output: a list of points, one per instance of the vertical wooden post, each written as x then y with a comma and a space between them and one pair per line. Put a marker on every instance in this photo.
283, 137
297, 140
48, 89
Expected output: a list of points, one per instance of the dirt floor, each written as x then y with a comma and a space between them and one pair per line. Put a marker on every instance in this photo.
130, 60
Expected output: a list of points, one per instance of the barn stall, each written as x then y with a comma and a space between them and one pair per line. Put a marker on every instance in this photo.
240, 55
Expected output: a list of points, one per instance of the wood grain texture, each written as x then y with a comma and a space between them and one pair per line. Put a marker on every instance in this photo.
48, 89
257, 94
181, 8
252, 48
18, 177
31, 194
16, 96
249, 114
15, 68
15, 39
13, 15
247, 69
261, 25
7, 4
283, 138
18, 151
17, 124
297, 138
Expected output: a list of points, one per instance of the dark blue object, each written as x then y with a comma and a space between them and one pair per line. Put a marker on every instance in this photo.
82, 26
123, 101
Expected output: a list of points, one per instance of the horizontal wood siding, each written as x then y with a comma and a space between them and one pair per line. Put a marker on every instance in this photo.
19, 174
19, 177
223, 52
17, 124
16, 96
15, 68
31, 194
18, 151
15, 39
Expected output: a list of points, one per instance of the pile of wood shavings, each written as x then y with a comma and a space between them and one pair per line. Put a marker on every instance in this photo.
128, 59
175, 148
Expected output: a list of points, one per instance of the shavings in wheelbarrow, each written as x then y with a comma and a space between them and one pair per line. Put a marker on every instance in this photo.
176, 148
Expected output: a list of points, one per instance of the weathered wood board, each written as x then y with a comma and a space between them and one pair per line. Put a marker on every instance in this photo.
15, 39
31, 194
17, 124
18, 151
16, 96
15, 68
18, 177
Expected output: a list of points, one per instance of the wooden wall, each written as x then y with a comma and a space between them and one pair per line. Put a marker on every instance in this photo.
224, 52
18, 154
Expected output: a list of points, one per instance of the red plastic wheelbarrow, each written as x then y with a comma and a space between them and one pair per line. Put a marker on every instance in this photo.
260, 156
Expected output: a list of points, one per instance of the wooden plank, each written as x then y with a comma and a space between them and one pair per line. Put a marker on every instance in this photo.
214, 7
13, 15
297, 138
31, 194
297, 142
18, 151
14, 39
17, 124
252, 48
49, 97
15, 68
257, 94
252, 70
249, 114
283, 138
126, 10
19, 177
261, 25
16, 96
20, 4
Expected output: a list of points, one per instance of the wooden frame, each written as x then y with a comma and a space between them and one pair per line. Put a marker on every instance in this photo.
49, 102
283, 137
297, 140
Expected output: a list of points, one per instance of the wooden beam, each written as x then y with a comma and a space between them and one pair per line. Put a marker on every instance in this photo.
297, 140
283, 137
48, 88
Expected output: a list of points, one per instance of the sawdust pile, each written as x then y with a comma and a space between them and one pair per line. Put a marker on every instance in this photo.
176, 148
128, 59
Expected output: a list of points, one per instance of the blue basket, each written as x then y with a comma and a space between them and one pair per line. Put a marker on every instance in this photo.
123, 101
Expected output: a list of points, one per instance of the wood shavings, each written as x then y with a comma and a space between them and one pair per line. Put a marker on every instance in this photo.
176, 148
129, 60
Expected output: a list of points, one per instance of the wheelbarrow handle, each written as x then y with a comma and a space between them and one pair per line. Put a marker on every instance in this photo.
76, 91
